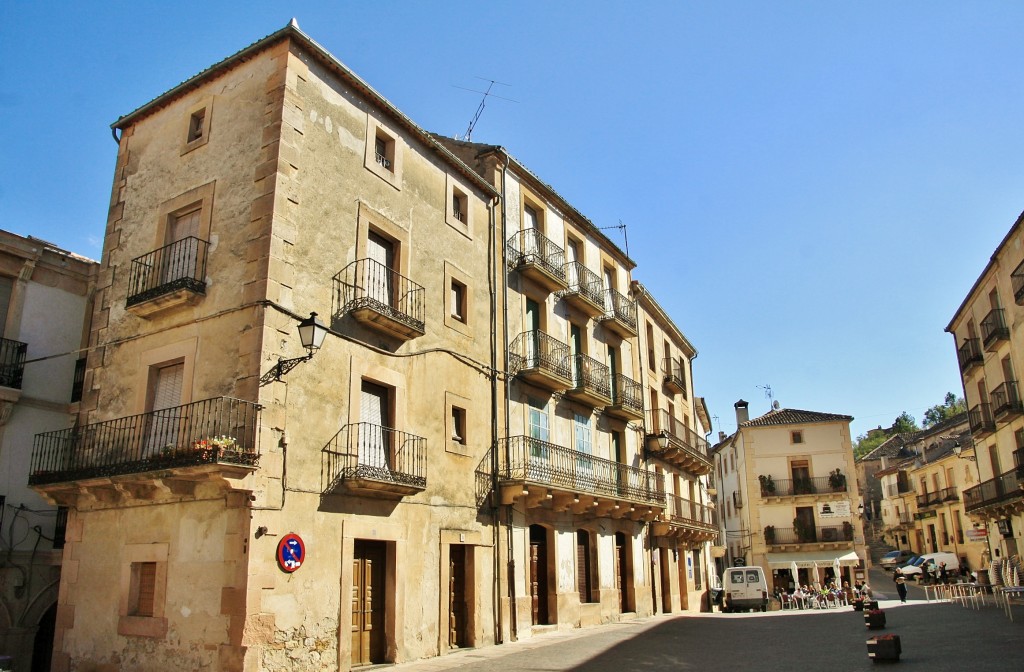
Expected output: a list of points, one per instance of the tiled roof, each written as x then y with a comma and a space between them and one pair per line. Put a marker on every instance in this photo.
891, 447
794, 416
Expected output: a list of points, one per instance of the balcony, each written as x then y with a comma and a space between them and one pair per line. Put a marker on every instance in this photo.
674, 377
1017, 280
538, 258
897, 489
209, 439
378, 297
541, 360
1006, 400
677, 444
585, 291
994, 329
797, 487
980, 419
541, 474
12, 363
627, 399
936, 498
592, 381
687, 521
619, 314
788, 536
998, 497
970, 355
171, 276
374, 461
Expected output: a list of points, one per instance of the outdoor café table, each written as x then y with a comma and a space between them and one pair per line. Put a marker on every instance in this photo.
936, 587
1007, 592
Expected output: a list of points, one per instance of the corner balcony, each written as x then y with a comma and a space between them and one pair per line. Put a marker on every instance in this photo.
12, 367
172, 276
772, 487
585, 291
1017, 281
980, 419
687, 521
827, 536
538, 258
619, 314
542, 360
999, 497
538, 474
374, 461
380, 298
627, 399
1006, 401
592, 381
993, 329
677, 444
144, 456
970, 355
673, 376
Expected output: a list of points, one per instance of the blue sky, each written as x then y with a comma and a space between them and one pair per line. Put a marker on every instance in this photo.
809, 188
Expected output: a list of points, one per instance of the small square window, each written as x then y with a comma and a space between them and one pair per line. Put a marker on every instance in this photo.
459, 425
197, 125
458, 301
459, 206
384, 152
796, 437
142, 597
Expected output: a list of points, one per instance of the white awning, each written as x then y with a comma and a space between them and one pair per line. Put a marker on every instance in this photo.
809, 559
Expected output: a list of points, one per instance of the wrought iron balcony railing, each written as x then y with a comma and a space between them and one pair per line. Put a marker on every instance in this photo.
530, 460
221, 429
687, 512
619, 308
936, 498
1006, 399
591, 376
530, 246
993, 327
663, 421
537, 350
814, 535
628, 395
1017, 280
970, 354
374, 293
365, 451
12, 362
180, 265
792, 487
674, 375
583, 282
1002, 488
980, 419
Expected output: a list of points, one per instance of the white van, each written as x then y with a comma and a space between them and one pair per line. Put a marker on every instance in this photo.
915, 571
745, 588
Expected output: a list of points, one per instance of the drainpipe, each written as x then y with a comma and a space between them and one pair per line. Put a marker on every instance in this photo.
495, 511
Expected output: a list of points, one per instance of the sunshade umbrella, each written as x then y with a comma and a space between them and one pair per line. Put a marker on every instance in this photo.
835, 568
796, 574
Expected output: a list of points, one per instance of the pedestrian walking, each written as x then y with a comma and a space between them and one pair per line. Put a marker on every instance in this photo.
901, 584
943, 575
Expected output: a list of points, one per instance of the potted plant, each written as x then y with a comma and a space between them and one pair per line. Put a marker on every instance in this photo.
769, 534
847, 530
803, 486
885, 647
767, 485
802, 531
837, 481
874, 619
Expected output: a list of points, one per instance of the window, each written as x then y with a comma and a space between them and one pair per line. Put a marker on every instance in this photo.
538, 420
197, 125
383, 152
375, 426
458, 301
78, 383
459, 206
142, 598
143, 590
530, 218
796, 437
458, 425
650, 347
383, 155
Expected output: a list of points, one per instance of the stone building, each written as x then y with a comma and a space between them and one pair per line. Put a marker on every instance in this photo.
45, 299
990, 350
463, 460
789, 497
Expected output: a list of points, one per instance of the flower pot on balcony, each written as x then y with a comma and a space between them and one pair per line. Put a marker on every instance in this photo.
885, 648
874, 619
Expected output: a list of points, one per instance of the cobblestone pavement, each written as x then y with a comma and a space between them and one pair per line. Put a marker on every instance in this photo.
936, 637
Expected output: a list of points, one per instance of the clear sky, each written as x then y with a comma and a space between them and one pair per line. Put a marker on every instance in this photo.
809, 188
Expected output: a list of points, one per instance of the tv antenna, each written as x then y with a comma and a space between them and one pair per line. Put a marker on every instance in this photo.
483, 102
770, 396
621, 227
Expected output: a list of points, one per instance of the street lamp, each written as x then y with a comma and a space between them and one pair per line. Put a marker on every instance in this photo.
958, 450
311, 334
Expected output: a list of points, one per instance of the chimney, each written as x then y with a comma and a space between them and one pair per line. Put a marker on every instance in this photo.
742, 414
722, 436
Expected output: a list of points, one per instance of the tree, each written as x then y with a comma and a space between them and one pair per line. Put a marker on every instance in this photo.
904, 424
952, 406
868, 442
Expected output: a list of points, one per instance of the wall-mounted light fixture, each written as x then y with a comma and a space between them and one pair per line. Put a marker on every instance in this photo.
311, 334
958, 451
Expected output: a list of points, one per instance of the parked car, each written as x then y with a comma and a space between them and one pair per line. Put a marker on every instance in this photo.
894, 558
745, 588
932, 561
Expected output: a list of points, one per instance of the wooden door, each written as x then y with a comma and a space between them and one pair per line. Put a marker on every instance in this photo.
368, 600
379, 281
457, 612
621, 581
666, 581
538, 576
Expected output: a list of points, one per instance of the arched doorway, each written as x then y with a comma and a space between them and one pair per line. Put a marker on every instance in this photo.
42, 645
539, 613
